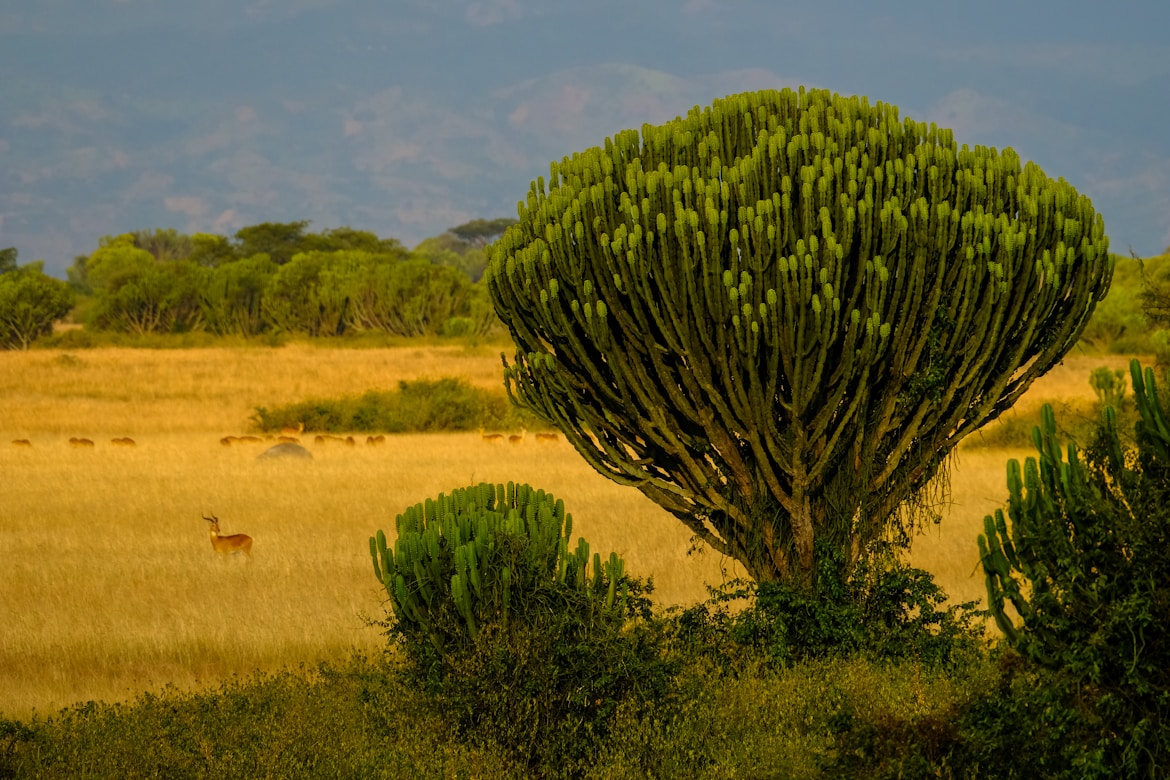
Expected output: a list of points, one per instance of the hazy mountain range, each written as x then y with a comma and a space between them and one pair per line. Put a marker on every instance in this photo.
407, 117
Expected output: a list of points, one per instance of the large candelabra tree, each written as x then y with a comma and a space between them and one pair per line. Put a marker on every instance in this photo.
776, 316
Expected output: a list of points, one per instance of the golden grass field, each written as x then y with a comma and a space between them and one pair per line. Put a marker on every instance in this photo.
110, 585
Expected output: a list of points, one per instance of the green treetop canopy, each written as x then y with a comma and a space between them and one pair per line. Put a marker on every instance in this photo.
776, 316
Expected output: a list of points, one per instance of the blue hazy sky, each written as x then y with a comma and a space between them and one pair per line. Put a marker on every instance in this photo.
407, 117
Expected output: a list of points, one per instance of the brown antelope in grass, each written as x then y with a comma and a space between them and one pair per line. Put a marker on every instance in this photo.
227, 441
21, 443
544, 437
123, 441
373, 441
226, 545
247, 438
517, 438
492, 438
76, 442
295, 431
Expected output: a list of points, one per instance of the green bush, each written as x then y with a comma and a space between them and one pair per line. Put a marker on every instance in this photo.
421, 405
524, 643
1084, 565
883, 609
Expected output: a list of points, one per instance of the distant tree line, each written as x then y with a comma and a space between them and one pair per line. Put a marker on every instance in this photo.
267, 278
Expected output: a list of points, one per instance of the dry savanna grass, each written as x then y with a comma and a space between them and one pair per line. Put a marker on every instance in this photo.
110, 582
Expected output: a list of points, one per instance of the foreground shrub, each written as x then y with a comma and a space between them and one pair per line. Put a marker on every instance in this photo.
526, 642
349, 720
1085, 565
836, 718
883, 609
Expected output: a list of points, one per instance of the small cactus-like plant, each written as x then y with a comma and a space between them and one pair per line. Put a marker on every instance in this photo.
520, 633
1109, 386
488, 554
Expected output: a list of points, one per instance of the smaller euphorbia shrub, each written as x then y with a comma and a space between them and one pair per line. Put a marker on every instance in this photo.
526, 640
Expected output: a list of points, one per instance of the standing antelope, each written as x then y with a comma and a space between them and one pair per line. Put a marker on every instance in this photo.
225, 545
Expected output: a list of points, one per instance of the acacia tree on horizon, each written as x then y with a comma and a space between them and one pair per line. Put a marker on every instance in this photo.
776, 316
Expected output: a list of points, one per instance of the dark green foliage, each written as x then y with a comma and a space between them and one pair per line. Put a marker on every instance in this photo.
165, 244
777, 315
894, 745
279, 240
421, 405
232, 296
1155, 291
883, 609
1085, 566
210, 250
355, 720
8, 259
1030, 724
30, 302
526, 639
481, 232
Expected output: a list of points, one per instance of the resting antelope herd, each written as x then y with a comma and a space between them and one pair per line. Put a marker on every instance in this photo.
228, 441
516, 439
78, 441
228, 545
325, 438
